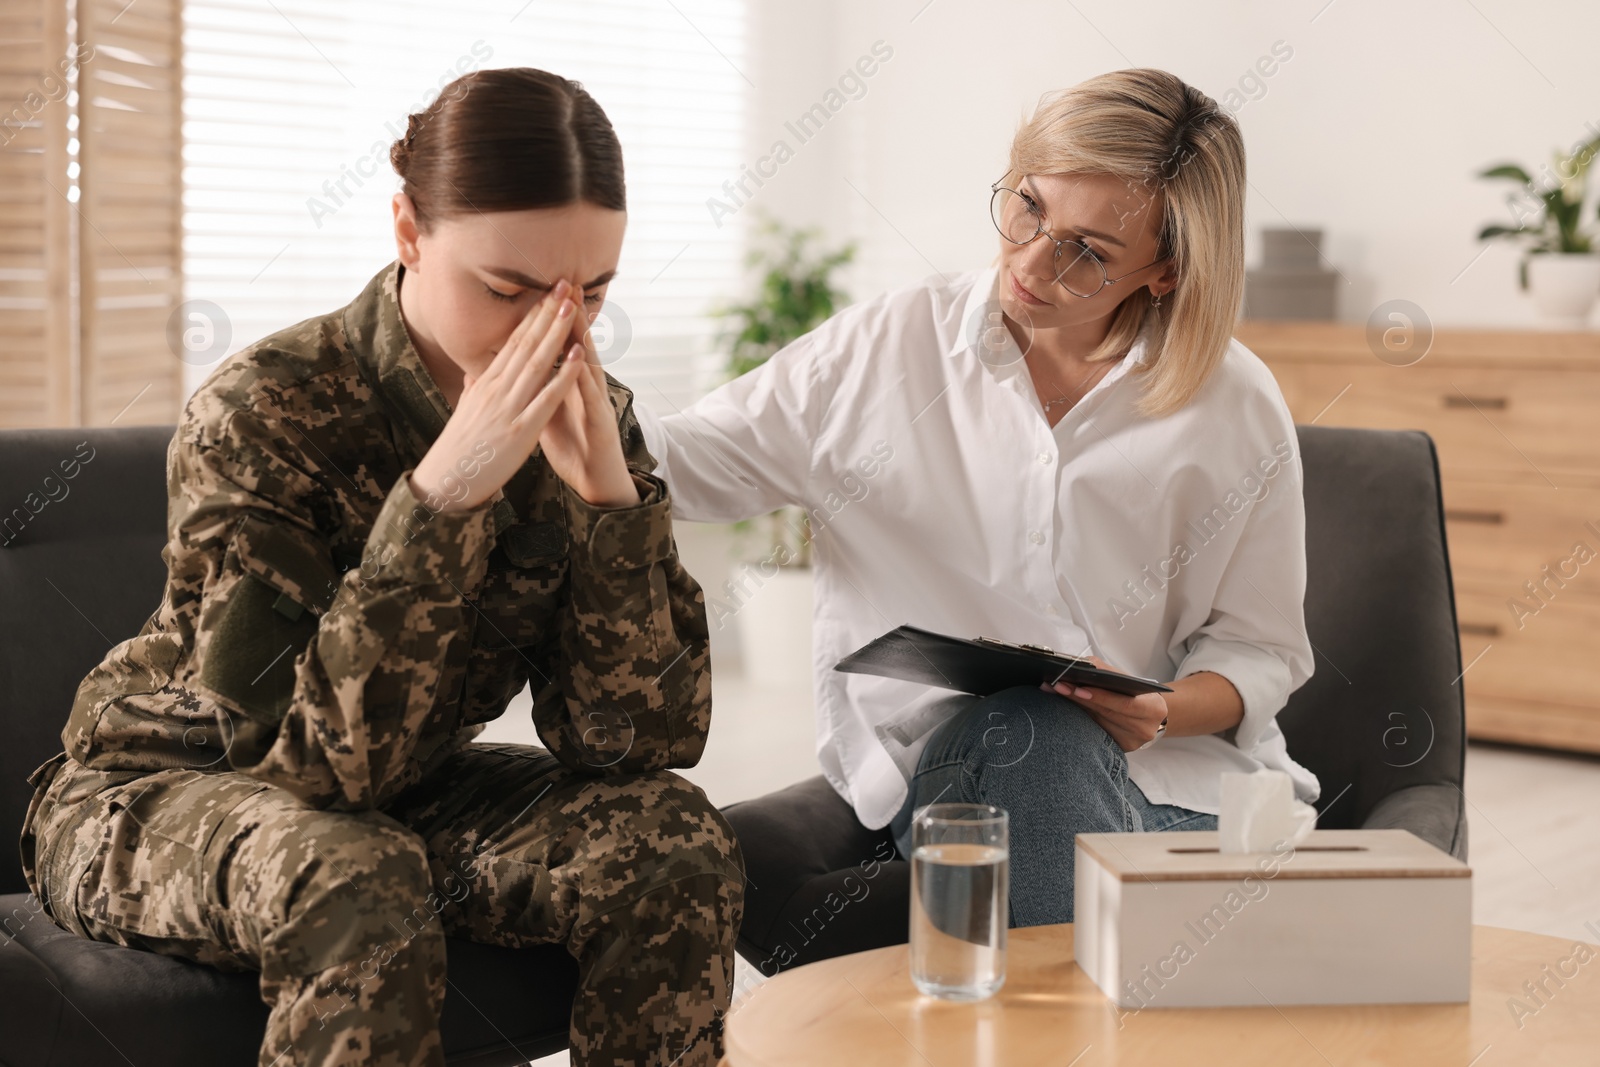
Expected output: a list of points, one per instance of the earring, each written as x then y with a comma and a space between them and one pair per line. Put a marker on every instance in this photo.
1156, 303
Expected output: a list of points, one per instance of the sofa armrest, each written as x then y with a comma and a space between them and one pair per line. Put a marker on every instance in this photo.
1435, 813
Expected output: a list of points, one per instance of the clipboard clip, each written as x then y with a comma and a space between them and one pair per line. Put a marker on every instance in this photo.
1023, 646
1046, 649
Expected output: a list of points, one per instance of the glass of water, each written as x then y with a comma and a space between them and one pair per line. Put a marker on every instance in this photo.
960, 858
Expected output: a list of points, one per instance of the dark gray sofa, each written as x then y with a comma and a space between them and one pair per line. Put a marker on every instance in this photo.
80, 575
1381, 724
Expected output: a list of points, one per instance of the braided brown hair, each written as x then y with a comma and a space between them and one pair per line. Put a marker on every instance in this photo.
506, 140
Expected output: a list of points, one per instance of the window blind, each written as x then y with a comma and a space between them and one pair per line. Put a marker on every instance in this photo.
89, 212
290, 108
36, 372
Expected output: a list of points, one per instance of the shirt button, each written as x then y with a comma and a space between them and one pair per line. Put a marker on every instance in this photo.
1044, 459
1051, 610
1036, 537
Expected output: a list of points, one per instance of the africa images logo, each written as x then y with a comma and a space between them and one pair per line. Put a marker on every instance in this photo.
986, 333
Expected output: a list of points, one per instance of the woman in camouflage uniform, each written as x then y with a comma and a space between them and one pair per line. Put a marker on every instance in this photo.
383, 523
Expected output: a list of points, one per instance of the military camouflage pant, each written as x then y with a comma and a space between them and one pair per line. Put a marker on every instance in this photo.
345, 914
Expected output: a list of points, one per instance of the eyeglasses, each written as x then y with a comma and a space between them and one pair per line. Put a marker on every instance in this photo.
1078, 270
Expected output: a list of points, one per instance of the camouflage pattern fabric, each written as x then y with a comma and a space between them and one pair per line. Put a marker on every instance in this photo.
326, 647
345, 913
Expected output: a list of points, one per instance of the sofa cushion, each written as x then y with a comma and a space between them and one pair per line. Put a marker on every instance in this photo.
71, 1001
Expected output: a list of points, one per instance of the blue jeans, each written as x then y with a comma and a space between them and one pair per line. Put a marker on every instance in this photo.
1054, 769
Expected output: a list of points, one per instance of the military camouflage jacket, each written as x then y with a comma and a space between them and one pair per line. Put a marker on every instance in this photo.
324, 631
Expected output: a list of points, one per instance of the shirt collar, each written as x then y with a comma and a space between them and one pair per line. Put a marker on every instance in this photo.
377, 337
978, 318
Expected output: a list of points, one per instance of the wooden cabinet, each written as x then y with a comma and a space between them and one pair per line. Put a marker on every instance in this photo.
1515, 416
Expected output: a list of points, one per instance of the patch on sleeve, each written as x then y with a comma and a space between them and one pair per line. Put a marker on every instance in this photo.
269, 617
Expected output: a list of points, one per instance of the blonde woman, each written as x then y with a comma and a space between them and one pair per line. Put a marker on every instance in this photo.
1067, 448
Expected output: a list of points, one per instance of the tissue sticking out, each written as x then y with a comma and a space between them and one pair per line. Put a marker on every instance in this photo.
1259, 811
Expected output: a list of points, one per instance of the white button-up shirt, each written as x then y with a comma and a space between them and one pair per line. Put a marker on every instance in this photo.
909, 428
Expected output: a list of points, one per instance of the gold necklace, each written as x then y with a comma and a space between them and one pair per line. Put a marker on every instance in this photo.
1062, 399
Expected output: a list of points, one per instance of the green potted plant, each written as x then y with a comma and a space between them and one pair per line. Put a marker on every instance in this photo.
1559, 265
796, 293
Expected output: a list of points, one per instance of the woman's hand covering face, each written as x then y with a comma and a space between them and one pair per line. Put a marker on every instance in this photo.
501, 414
581, 440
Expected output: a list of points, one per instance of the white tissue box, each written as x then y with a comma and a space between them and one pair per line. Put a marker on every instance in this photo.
1165, 920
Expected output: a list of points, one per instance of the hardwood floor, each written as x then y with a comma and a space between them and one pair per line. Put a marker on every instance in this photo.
1534, 820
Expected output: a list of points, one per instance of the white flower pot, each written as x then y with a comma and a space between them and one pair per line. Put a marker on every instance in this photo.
775, 628
1564, 286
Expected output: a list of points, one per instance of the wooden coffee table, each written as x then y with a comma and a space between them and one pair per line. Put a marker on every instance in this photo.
863, 1009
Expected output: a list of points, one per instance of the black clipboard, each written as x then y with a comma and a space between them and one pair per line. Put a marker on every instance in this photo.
981, 666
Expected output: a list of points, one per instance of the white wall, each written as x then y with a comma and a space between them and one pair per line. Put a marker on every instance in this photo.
1371, 130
